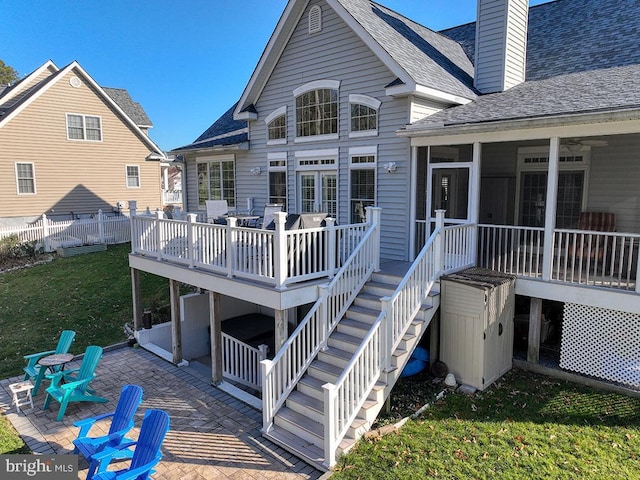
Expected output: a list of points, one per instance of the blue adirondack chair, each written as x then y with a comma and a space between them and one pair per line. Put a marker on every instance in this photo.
33, 370
146, 454
121, 423
76, 382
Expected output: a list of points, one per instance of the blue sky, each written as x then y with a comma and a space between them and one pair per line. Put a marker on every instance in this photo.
185, 61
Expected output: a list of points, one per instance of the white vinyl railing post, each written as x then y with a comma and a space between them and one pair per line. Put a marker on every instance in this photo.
266, 367
231, 245
280, 249
101, 226
132, 218
373, 217
45, 233
438, 245
191, 220
159, 214
323, 324
386, 331
331, 250
330, 396
264, 350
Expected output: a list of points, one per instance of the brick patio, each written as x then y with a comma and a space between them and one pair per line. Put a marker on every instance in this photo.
212, 434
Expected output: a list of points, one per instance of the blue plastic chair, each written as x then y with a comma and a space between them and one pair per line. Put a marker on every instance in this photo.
146, 454
121, 423
33, 370
76, 386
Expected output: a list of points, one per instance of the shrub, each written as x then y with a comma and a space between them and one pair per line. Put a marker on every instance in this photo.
12, 248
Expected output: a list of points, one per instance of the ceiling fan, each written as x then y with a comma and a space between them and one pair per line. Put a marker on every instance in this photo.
574, 144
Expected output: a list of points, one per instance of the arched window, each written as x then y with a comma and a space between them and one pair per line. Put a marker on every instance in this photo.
317, 109
277, 126
364, 115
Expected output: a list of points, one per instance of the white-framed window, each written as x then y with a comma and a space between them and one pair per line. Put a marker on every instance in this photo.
133, 176
84, 127
317, 176
317, 111
363, 111
531, 185
25, 178
315, 19
362, 181
216, 180
277, 177
277, 126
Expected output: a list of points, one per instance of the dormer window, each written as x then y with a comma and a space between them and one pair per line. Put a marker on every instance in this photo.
277, 126
315, 19
317, 110
364, 115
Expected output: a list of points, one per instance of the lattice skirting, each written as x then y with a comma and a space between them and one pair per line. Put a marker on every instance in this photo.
602, 343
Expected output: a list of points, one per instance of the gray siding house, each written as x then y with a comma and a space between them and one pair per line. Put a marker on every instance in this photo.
509, 144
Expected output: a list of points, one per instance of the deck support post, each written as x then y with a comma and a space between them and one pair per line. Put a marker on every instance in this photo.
535, 326
215, 321
550, 207
281, 329
176, 322
137, 300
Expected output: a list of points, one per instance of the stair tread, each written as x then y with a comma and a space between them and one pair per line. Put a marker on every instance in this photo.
307, 401
338, 352
350, 322
295, 444
327, 367
345, 337
305, 423
383, 285
312, 382
363, 310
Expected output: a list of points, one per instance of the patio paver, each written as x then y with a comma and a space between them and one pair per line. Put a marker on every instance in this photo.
212, 434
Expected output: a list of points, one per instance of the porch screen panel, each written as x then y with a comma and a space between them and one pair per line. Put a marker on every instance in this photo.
534, 192
569, 205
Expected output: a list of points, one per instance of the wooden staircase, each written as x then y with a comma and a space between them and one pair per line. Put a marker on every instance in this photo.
298, 425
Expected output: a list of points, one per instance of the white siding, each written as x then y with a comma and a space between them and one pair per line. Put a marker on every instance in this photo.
421, 108
500, 44
335, 53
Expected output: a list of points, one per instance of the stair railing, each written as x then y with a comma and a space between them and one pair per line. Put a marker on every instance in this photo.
280, 375
344, 399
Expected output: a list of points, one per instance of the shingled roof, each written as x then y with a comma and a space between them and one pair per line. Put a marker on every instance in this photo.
224, 132
133, 109
582, 57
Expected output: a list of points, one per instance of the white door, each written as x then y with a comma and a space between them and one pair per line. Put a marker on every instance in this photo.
318, 192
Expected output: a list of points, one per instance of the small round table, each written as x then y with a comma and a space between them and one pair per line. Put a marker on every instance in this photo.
57, 359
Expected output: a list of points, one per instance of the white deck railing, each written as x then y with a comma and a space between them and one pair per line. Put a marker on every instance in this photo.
278, 257
241, 362
281, 374
51, 234
343, 400
581, 257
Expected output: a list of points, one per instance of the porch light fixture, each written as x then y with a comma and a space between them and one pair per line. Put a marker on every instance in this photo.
390, 167
256, 171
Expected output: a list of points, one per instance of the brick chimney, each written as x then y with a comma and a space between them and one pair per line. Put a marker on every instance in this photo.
501, 44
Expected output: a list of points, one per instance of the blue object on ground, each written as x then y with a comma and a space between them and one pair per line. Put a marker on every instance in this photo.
419, 361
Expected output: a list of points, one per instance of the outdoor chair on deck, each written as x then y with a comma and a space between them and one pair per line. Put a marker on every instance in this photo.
594, 251
36, 371
268, 216
146, 454
217, 210
76, 383
121, 423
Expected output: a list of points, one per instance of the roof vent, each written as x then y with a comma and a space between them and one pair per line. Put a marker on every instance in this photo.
75, 82
315, 19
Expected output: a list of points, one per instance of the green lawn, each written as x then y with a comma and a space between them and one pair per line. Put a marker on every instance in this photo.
526, 426
90, 294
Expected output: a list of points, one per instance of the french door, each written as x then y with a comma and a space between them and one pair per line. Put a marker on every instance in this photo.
318, 192
449, 190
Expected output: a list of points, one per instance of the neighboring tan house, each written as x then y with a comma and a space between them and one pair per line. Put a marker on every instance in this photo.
510, 144
70, 147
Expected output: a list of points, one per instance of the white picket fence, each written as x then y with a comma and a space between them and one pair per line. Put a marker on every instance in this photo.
51, 234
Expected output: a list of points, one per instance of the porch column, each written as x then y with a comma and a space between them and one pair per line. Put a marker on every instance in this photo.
535, 325
550, 207
215, 321
474, 213
176, 321
137, 300
413, 194
281, 332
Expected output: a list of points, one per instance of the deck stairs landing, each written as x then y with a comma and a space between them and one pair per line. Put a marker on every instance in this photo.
298, 425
